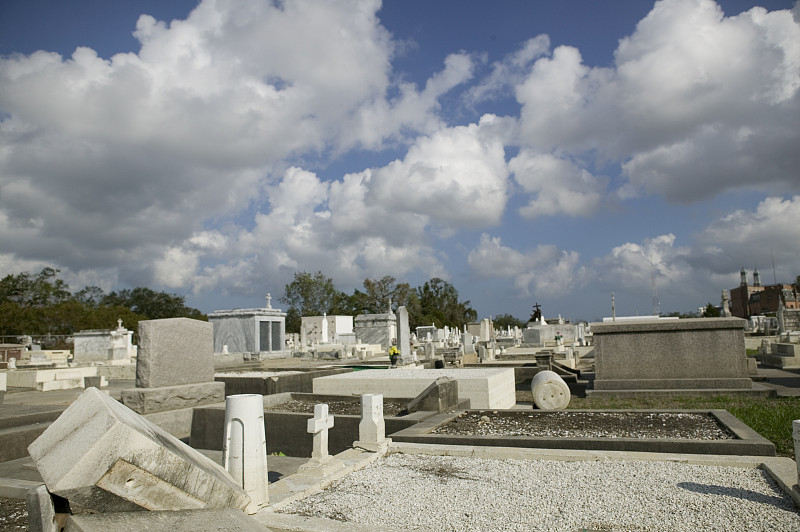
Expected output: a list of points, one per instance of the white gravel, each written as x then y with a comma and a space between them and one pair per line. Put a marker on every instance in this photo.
445, 493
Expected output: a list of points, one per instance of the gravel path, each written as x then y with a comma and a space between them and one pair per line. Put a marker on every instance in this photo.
444, 493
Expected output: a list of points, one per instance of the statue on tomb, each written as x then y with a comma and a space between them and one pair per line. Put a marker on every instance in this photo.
726, 310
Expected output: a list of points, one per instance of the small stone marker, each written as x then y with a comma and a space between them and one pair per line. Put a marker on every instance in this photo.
318, 426
41, 511
796, 437
372, 429
103, 456
321, 463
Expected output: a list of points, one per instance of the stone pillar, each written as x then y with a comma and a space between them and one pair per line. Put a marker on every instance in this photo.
244, 450
372, 429
403, 337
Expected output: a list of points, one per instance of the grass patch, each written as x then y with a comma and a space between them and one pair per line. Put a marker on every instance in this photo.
769, 416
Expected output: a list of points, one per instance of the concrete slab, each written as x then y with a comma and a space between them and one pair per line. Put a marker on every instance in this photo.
163, 398
485, 388
222, 519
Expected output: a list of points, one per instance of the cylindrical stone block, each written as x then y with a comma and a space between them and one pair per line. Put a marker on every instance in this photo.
550, 392
244, 450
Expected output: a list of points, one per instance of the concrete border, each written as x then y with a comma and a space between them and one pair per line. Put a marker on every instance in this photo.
287, 431
748, 442
757, 390
274, 383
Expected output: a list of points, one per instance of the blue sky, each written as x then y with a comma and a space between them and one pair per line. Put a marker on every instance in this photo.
550, 152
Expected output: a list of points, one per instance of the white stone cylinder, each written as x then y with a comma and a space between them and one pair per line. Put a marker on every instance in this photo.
796, 437
550, 392
244, 450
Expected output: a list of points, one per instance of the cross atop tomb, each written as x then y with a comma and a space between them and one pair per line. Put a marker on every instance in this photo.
119, 323
318, 426
269, 300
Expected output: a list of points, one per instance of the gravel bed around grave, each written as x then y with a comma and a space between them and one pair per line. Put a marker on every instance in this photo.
342, 408
13, 515
576, 424
445, 493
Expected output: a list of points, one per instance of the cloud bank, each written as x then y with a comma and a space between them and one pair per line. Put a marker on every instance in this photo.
203, 162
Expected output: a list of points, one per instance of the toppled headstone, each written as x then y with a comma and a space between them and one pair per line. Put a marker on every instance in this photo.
441, 395
372, 428
103, 456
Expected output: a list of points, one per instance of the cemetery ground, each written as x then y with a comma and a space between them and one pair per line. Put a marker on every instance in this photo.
769, 416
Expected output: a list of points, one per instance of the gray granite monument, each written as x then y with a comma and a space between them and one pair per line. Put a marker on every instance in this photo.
696, 354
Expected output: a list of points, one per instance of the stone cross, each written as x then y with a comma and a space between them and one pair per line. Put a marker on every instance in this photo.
269, 300
318, 426
119, 323
372, 429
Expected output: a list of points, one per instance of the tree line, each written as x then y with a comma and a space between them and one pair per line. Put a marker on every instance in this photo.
435, 302
40, 304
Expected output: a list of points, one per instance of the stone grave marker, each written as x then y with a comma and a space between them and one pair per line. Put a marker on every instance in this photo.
175, 367
321, 463
174, 351
372, 428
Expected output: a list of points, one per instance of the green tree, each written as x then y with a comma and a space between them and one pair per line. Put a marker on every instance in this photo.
37, 291
154, 305
711, 311
90, 296
311, 295
377, 294
439, 304
507, 320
